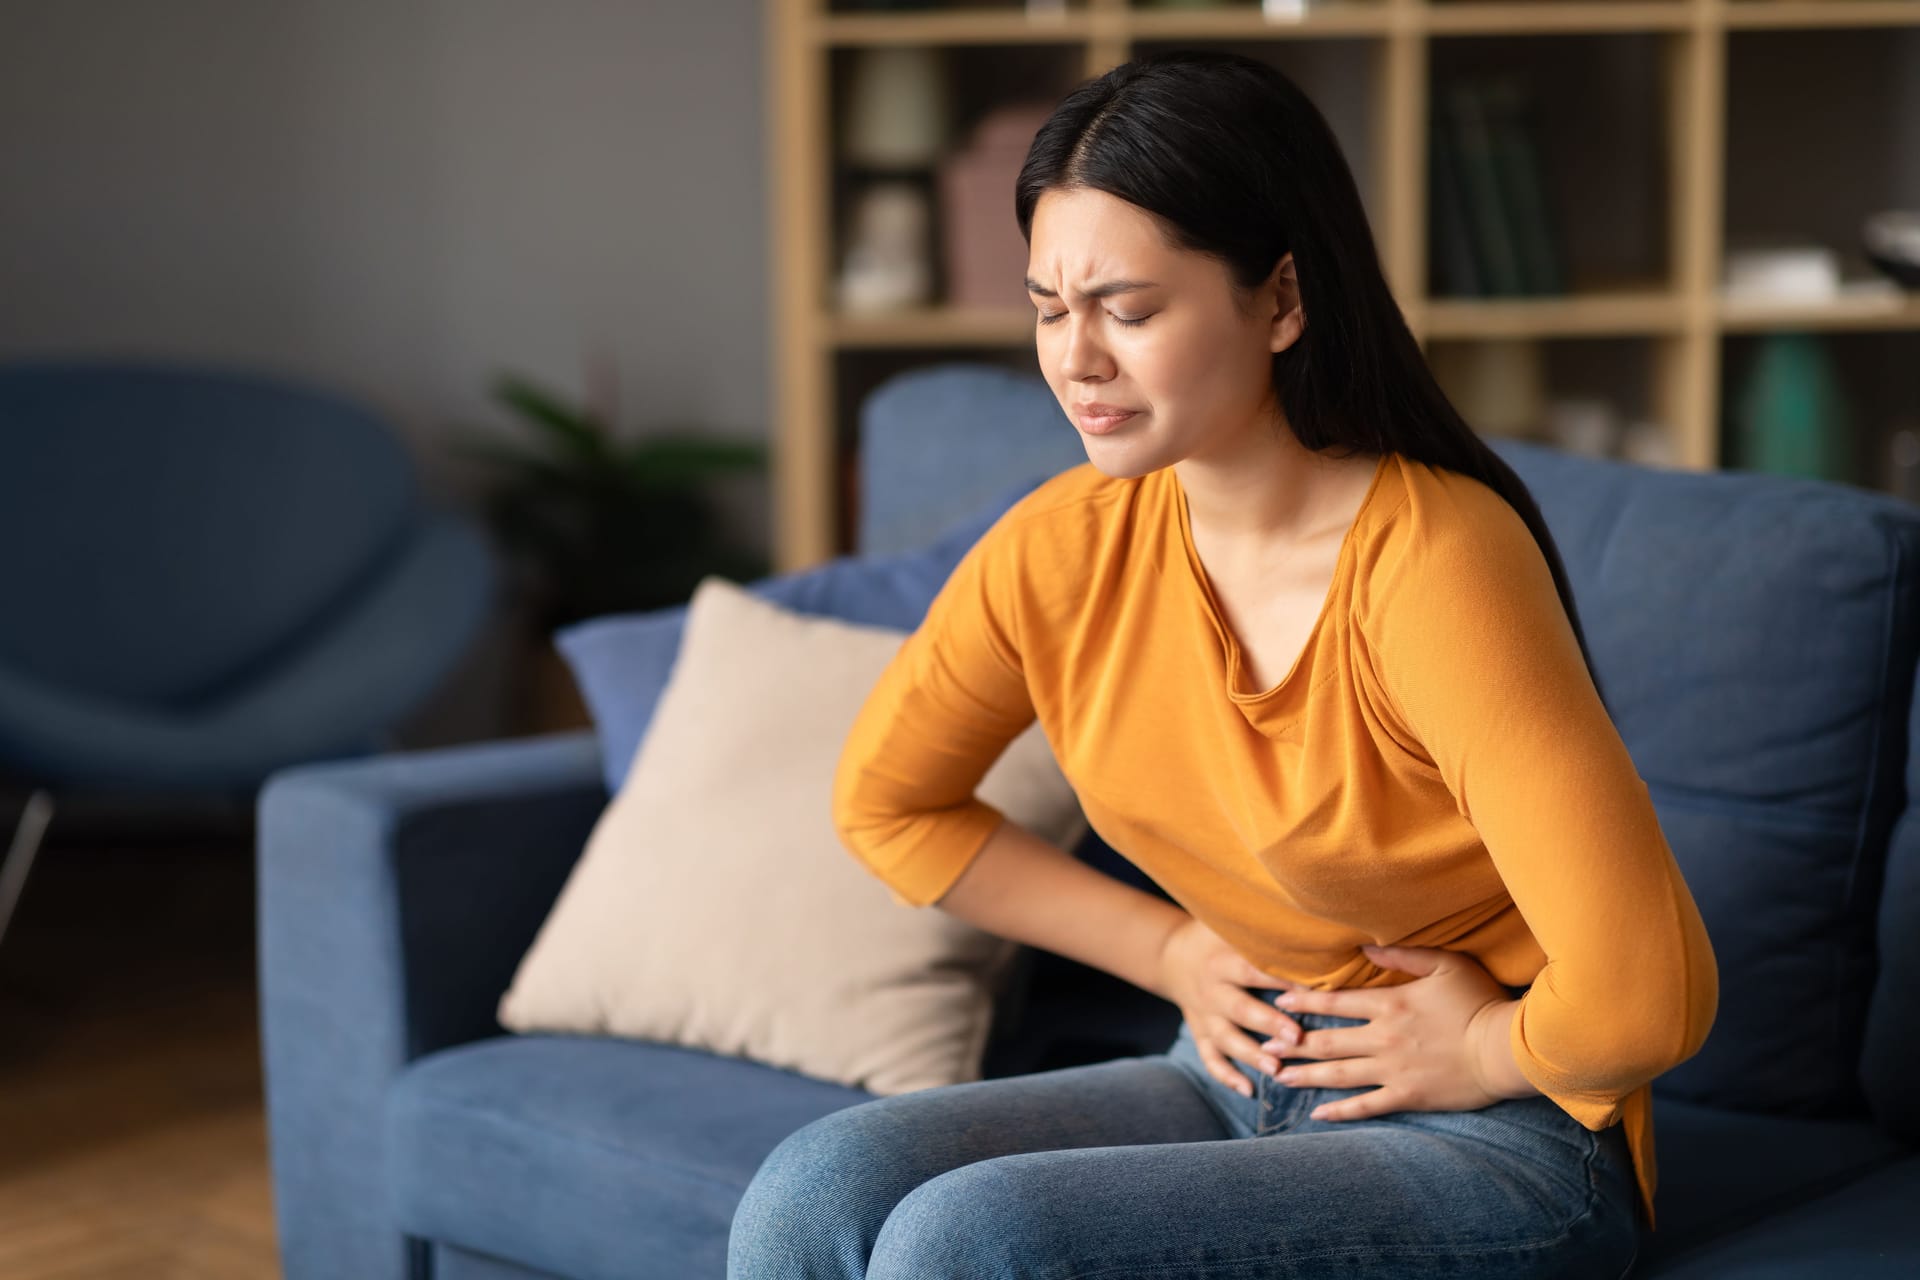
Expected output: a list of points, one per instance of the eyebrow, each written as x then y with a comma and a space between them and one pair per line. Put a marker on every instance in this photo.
1105, 289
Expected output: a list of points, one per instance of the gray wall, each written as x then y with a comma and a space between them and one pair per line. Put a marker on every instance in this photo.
396, 198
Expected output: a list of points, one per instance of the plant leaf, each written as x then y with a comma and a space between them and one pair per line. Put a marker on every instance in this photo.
575, 431
674, 461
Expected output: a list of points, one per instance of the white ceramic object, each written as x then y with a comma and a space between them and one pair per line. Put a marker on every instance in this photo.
888, 257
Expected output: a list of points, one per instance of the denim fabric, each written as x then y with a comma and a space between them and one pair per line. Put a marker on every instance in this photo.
1147, 1166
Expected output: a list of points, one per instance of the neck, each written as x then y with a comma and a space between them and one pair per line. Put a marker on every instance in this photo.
1270, 491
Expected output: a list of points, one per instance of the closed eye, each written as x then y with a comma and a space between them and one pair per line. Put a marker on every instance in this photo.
1045, 318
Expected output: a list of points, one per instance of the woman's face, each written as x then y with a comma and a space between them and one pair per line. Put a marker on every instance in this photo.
1164, 340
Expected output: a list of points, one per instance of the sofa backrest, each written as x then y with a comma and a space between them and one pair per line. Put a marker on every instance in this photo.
939, 441
1755, 636
163, 528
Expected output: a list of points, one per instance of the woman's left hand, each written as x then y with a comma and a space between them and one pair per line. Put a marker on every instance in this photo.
1420, 1043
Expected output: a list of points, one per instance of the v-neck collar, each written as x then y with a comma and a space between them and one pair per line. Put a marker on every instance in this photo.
1252, 700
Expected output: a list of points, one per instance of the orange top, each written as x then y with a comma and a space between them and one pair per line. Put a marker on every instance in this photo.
1436, 770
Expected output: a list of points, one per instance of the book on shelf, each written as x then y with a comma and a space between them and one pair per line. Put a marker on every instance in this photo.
1493, 228
1517, 161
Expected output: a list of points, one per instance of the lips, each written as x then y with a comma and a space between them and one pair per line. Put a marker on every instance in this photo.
1101, 418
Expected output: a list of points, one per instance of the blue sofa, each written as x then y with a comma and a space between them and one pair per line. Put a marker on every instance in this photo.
1757, 637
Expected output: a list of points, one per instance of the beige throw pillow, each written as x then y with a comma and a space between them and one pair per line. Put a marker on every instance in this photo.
714, 905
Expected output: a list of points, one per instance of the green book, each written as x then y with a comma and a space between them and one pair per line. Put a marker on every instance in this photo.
1511, 119
1456, 267
1488, 216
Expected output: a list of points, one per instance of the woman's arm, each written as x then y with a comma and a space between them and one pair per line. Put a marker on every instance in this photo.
1022, 887
1477, 664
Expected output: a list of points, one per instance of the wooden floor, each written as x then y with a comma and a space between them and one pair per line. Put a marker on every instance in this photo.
132, 1142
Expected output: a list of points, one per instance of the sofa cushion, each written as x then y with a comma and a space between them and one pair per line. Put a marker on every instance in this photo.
1893, 1022
1722, 1171
717, 907
1754, 637
1862, 1230
568, 1154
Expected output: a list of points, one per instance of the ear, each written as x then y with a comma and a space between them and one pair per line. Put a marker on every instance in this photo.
1289, 317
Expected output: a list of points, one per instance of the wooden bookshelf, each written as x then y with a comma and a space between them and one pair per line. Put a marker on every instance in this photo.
1675, 306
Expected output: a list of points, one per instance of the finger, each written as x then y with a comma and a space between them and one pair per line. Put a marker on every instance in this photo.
1359, 1107
1237, 1044
1347, 1002
1256, 1014
1220, 1069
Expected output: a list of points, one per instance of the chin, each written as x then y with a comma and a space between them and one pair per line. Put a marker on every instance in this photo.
1119, 464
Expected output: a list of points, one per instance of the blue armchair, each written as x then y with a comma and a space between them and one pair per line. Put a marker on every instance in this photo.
212, 575
1758, 638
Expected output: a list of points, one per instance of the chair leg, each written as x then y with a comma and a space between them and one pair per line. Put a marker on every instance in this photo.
20, 854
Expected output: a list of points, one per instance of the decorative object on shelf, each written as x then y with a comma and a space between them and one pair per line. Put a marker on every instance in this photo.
599, 524
1587, 425
1900, 464
892, 135
897, 114
985, 255
1790, 417
1781, 271
1494, 230
1892, 242
887, 264
1497, 384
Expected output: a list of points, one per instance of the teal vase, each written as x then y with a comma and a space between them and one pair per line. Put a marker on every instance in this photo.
1790, 418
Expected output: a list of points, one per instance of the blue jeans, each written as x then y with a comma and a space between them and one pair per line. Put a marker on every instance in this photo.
1149, 1167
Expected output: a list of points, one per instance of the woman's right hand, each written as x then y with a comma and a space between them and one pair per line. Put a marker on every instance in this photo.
1202, 974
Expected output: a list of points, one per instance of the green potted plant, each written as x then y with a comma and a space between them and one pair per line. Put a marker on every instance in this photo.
595, 522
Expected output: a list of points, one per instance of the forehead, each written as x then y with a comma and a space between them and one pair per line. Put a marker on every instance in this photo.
1085, 237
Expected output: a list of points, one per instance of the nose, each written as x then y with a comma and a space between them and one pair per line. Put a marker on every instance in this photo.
1083, 357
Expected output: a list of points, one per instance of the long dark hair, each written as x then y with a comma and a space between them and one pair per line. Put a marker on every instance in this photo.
1238, 163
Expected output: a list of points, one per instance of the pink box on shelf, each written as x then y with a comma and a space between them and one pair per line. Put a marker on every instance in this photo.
984, 256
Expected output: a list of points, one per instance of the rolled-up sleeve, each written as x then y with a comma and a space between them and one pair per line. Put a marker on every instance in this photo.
1482, 667
941, 714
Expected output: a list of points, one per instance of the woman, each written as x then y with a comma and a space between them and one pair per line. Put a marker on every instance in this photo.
1306, 651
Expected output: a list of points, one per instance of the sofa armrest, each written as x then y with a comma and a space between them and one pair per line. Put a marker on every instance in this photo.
396, 897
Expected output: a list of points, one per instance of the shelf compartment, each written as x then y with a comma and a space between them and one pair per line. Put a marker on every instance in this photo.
1344, 78
1598, 176
979, 79
1620, 371
1880, 393
1793, 176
